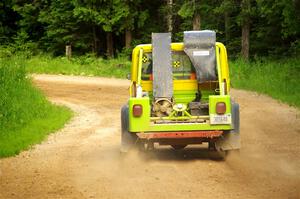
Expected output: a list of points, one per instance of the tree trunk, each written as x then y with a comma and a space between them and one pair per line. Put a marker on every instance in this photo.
227, 26
68, 51
169, 15
245, 29
128, 38
95, 46
196, 17
196, 22
245, 40
109, 44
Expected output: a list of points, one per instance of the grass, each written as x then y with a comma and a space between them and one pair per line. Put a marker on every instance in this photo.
83, 65
26, 117
14, 141
279, 79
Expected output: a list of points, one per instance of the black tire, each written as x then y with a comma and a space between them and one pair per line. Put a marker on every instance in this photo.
216, 154
179, 147
235, 110
128, 139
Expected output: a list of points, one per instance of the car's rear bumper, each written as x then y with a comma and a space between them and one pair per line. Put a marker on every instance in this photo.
146, 123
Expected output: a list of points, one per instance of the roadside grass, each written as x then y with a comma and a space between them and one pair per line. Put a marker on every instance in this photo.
26, 117
14, 141
82, 65
279, 79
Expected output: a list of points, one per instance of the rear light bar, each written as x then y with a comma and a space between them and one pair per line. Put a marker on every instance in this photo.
220, 108
181, 134
137, 110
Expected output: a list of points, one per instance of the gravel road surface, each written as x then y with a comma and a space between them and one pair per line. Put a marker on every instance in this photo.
83, 160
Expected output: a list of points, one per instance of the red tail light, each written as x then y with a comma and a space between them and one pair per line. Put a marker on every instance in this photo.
151, 77
193, 76
220, 108
137, 110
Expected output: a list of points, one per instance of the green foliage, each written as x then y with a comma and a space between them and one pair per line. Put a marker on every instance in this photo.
26, 117
275, 27
85, 24
7, 21
23, 45
87, 65
6, 51
19, 49
29, 13
186, 10
282, 12
276, 78
226, 6
109, 15
295, 48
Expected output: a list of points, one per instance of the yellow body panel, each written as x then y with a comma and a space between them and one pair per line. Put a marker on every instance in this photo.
221, 57
181, 85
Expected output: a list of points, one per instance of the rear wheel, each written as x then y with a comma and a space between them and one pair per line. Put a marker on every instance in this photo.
215, 152
178, 147
128, 139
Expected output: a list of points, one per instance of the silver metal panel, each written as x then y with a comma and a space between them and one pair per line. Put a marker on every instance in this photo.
200, 47
162, 66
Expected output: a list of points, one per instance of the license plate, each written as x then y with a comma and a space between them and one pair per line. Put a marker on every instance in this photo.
220, 119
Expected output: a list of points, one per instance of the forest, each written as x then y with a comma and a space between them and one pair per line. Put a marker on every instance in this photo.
105, 28
262, 38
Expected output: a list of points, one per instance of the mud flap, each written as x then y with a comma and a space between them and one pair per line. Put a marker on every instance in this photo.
128, 139
230, 140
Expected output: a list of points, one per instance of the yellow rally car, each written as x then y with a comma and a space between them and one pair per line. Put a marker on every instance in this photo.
179, 95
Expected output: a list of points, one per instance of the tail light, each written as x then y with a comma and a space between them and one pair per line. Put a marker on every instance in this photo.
220, 108
193, 76
137, 110
151, 77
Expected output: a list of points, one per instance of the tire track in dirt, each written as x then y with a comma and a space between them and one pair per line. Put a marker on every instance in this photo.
83, 160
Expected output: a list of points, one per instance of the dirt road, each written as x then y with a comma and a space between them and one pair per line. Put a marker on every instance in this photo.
83, 159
